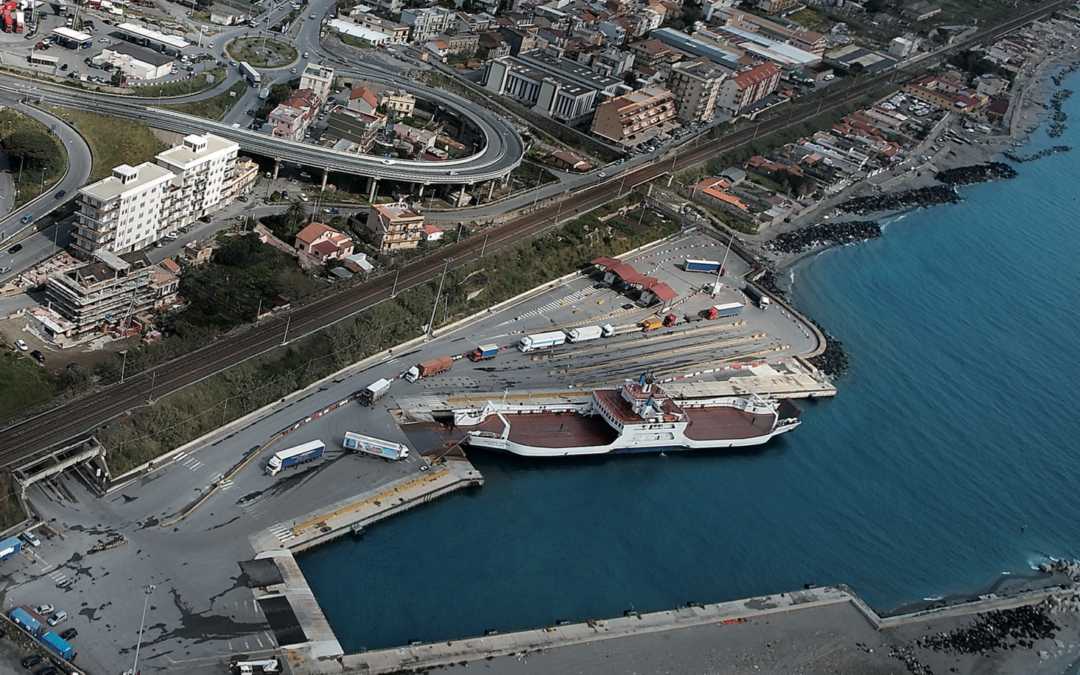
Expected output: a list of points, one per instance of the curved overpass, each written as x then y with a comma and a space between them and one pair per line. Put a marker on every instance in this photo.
502, 150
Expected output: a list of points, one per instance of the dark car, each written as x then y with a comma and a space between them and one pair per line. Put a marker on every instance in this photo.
38, 356
206, 219
15, 249
60, 195
64, 67
31, 661
70, 632
47, 670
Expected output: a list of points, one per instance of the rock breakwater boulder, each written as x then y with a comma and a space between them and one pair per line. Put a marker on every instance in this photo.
994, 631
1013, 157
833, 361
825, 234
979, 173
898, 201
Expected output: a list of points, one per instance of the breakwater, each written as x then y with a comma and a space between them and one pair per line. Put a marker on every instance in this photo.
1046, 152
1057, 126
979, 173
897, 201
825, 234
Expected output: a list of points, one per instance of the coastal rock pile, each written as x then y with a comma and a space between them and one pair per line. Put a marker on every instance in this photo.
769, 281
997, 630
1013, 157
805, 238
980, 173
927, 196
1060, 77
907, 655
1057, 124
833, 361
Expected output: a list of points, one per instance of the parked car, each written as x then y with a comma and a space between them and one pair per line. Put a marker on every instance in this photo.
31, 661
63, 66
68, 634
303, 197
206, 219
305, 174
40, 358
21, 344
242, 198
44, 609
47, 670
58, 618
29, 536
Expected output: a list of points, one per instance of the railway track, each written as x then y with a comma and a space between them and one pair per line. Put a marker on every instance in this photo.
78, 417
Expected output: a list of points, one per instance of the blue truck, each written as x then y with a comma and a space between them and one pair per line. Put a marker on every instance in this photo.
484, 352
57, 645
697, 265
10, 547
374, 446
283, 459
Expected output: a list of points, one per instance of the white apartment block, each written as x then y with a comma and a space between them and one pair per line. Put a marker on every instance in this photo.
204, 167
122, 212
320, 80
138, 205
428, 22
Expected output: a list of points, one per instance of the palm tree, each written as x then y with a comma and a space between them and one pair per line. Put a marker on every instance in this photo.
295, 214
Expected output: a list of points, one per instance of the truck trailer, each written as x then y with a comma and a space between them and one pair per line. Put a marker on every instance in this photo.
375, 447
697, 265
719, 311
651, 323
757, 297
429, 367
10, 547
585, 333
57, 645
484, 352
374, 392
26, 618
283, 459
531, 343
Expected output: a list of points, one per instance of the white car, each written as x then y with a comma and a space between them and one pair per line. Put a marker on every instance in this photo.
44, 609
601, 175
59, 617
388, 161
31, 538
21, 345
303, 197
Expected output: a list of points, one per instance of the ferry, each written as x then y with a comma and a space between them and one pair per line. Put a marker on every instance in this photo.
636, 417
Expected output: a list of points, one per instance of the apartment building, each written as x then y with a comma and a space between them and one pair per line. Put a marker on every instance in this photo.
110, 290
427, 23
122, 212
138, 205
562, 89
318, 79
397, 33
748, 87
392, 227
626, 119
204, 170
291, 118
696, 85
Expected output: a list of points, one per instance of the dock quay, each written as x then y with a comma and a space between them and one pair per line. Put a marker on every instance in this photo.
812, 630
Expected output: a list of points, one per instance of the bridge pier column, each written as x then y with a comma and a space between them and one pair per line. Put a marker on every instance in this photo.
506, 179
371, 192
461, 195
491, 187
277, 167
420, 191
325, 175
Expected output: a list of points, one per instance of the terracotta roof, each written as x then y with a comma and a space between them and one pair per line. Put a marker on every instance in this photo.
366, 94
325, 247
168, 264
313, 232
663, 292
754, 75
431, 229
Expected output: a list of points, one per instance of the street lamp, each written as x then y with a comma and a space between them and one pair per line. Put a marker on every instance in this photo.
148, 589
431, 324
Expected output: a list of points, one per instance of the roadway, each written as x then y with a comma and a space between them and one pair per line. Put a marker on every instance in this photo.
80, 163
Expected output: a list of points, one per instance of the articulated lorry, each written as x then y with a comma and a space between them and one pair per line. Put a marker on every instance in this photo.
375, 447
585, 333
531, 343
429, 368
283, 459
484, 352
696, 265
374, 392
757, 297
720, 311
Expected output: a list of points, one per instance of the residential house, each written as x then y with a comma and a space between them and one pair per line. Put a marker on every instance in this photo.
291, 118
746, 88
628, 118
318, 79
363, 100
322, 243
399, 104
393, 227
920, 11
427, 22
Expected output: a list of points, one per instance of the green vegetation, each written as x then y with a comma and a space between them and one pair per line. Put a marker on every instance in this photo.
23, 383
10, 512
807, 18
955, 12
278, 93
186, 415
359, 43
181, 88
113, 141
262, 53
215, 107
36, 157
531, 175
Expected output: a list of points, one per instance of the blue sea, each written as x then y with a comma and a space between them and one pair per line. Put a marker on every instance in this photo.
954, 428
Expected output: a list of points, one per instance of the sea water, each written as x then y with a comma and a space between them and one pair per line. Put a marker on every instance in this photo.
947, 460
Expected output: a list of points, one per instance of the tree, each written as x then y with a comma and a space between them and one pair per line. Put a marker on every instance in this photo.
295, 214
29, 144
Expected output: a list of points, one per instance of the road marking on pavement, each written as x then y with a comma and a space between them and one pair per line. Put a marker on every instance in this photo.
60, 578
226, 485
282, 532
192, 463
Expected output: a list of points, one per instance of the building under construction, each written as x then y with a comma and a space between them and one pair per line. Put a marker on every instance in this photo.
107, 293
